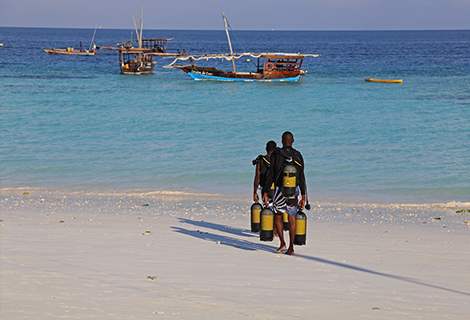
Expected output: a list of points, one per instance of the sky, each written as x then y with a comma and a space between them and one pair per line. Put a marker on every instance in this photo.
241, 14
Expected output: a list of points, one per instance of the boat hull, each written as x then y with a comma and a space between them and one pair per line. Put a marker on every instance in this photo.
206, 77
138, 67
69, 53
213, 74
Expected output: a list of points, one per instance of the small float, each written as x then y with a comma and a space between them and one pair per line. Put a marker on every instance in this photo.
385, 80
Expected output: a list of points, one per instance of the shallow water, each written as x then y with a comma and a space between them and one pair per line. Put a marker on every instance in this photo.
75, 122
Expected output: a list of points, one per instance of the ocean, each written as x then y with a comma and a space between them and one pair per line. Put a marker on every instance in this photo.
74, 122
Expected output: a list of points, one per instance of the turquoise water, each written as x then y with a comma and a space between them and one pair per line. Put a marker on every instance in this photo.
75, 122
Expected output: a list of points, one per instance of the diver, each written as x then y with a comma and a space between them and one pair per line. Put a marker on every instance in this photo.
262, 164
280, 158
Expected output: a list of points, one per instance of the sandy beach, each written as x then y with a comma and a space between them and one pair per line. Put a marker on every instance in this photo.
162, 255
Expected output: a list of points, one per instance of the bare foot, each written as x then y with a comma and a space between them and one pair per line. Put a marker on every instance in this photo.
290, 252
281, 248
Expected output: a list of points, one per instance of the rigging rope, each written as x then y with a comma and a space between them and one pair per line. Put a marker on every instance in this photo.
228, 24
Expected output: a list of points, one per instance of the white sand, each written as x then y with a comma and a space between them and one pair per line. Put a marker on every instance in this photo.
91, 257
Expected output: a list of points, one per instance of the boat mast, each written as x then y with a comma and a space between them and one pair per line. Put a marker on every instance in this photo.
141, 26
229, 42
91, 44
139, 37
136, 32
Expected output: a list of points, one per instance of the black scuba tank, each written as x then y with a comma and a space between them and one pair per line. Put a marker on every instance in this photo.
255, 216
285, 221
266, 232
289, 180
271, 191
300, 228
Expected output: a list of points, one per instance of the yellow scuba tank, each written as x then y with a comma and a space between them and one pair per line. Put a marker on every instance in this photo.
285, 221
300, 228
289, 180
255, 216
266, 232
271, 191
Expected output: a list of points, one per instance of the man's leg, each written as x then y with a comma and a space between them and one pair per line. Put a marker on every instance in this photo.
292, 225
280, 232
279, 206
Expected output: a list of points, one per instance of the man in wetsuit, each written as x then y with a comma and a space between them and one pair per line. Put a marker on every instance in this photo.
280, 204
262, 166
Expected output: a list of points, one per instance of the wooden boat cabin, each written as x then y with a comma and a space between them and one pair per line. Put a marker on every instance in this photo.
282, 66
140, 60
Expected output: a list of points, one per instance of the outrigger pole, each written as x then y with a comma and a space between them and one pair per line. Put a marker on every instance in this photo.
229, 42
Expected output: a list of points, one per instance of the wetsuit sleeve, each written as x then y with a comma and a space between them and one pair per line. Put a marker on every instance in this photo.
302, 182
257, 177
270, 173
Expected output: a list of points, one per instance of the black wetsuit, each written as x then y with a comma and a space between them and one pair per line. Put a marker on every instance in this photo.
264, 164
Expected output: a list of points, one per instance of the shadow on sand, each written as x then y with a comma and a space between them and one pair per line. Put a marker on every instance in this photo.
250, 245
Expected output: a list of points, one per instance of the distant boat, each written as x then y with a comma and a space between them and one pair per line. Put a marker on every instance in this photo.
70, 51
270, 66
1, 45
139, 60
385, 80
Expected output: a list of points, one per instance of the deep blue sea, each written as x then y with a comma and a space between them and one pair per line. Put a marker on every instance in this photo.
76, 122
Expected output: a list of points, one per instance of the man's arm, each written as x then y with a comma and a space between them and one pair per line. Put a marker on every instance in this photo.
256, 182
302, 182
270, 176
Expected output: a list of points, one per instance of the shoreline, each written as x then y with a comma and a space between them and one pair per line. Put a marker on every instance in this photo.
450, 215
156, 193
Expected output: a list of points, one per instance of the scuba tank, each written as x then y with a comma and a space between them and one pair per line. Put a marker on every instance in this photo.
285, 221
271, 191
300, 228
289, 179
266, 232
255, 216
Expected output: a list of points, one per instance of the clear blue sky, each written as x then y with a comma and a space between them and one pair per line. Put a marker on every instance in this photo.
242, 14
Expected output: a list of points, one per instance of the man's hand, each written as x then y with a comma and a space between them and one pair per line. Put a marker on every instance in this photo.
255, 197
266, 199
302, 202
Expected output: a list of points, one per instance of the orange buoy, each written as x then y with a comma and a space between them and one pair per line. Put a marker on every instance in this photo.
269, 66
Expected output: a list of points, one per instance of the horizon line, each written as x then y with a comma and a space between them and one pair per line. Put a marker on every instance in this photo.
322, 30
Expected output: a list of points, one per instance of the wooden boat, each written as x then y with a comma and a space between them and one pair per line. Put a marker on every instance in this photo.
385, 80
139, 60
70, 51
270, 66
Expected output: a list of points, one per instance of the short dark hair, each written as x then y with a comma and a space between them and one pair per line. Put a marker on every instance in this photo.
270, 146
286, 134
